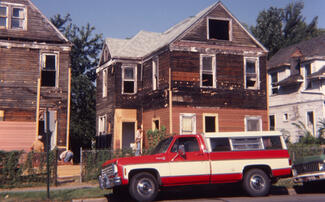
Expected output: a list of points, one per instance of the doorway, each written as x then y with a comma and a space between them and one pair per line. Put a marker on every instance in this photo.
128, 134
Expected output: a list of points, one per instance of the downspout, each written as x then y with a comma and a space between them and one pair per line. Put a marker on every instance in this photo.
68, 110
170, 100
37, 106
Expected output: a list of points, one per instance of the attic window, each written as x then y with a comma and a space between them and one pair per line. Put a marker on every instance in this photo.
219, 29
13, 16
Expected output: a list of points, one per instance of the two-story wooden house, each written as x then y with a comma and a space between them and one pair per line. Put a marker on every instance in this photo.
297, 87
34, 75
203, 75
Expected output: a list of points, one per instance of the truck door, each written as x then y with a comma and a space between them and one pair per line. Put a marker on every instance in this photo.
192, 167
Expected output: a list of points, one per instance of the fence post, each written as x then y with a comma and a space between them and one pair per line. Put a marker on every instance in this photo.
80, 164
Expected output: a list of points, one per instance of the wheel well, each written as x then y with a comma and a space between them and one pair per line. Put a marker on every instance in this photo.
265, 168
153, 172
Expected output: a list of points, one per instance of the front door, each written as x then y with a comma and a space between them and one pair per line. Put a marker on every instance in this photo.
191, 168
128, 134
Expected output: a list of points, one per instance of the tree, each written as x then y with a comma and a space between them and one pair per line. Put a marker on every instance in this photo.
84, 59
277, 28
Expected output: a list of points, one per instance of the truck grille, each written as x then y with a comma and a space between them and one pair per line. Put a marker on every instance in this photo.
307, 167
108, 170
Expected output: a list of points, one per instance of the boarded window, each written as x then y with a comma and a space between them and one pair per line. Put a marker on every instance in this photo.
220, 144
251, 73
207, 64
253, 123
218, 29
49, 66
129, 80
18, 18
3, 16
188, 124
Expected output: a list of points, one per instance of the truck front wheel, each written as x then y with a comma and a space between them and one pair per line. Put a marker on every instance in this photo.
143, 187
256, 182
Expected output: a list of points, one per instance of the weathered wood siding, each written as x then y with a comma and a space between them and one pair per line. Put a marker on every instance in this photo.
38, 29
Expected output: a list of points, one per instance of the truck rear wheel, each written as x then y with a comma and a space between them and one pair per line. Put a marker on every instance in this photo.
143, 187
256, 182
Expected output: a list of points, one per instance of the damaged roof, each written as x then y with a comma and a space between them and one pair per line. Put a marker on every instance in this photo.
144, 43
309, 49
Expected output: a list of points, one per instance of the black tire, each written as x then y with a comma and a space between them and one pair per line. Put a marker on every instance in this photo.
256, 182
120, 190
143, 187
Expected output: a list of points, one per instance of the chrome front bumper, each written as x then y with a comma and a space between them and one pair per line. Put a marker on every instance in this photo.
107, 183
309, 177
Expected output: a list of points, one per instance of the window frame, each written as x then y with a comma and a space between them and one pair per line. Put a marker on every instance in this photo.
102, 125
220, 19
155, 73
154, 125
216, 122
274, 89
42, 67
257, 72
193, 122
125, 66
24, 19
274, 118
249, 117
5, 16
213, 72
104, 83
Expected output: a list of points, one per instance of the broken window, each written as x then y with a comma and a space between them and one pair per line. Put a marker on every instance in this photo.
102, 125
129, 80
104, 82
207, 67
18, 18
253, 123
272, 122
155, 73
251, 65
274, 81
155, 124
210, 123
310, 121
3, 16
308, 83
49, 68
187, 124
218, 29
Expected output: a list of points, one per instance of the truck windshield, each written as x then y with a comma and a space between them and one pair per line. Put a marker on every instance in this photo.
162, 146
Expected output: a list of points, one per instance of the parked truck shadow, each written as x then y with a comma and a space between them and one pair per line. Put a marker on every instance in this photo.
199, 192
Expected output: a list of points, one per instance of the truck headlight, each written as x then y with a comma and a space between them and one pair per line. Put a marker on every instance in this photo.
115, 171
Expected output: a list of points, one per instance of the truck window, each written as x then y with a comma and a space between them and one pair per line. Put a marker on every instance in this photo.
190, 144
162, 146
220, 144
272, 142
247, 143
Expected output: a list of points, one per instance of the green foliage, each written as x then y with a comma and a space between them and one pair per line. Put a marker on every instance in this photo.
299, 150
278, 28
154, 137
86, 47
18, 168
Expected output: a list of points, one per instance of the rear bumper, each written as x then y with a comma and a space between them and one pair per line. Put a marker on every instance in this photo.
106, 183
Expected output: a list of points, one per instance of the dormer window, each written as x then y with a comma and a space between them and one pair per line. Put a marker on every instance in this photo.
13, 17
219, 29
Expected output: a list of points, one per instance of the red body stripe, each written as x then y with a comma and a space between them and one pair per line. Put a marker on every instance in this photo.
282, 172
259, 154
185, 180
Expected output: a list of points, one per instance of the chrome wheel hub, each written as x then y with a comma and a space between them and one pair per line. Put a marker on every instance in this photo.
257, 182
145, 187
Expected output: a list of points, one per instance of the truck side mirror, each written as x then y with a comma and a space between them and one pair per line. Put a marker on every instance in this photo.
181, 150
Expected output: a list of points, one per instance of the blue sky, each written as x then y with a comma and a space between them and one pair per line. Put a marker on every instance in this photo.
125, 18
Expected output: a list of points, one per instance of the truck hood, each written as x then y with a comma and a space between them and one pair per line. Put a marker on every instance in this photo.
137, 159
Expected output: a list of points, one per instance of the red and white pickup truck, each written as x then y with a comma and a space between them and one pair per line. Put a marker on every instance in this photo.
256, 159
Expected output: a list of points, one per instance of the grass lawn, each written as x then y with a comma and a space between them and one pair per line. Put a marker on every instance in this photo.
58, 195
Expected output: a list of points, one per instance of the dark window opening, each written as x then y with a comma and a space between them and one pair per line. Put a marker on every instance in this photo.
48, 76
308, 73
207, 80
128, 86
156, 124
210, 124
274, 80
272, 122
220, 144
250, 82
218, 29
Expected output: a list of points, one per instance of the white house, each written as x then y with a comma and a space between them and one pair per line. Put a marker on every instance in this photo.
297, 87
